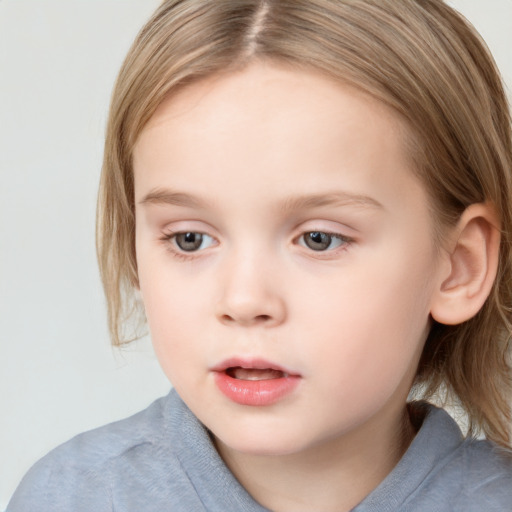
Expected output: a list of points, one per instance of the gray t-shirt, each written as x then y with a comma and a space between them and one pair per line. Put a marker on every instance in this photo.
162, 459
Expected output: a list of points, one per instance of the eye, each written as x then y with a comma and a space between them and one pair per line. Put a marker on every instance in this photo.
321, 241
191, 241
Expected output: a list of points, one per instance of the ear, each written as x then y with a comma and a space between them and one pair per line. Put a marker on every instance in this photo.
469, 270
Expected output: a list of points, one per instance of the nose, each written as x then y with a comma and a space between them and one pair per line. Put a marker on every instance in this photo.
250, 294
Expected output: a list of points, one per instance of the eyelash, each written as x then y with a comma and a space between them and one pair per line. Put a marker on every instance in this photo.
344, 241
169, 240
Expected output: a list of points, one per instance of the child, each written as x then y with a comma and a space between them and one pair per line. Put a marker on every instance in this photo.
311, 199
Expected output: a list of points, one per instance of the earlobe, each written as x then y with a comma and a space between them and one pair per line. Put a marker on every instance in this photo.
472, 263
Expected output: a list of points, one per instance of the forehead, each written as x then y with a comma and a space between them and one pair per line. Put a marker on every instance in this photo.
273, 130
268, 91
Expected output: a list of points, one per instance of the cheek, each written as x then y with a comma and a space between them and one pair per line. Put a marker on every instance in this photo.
370, 325
174, 311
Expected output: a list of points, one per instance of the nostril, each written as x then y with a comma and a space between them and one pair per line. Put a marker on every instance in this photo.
258, 319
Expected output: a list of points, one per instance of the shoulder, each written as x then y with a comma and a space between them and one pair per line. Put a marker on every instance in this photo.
443, 472
97, 449
78, 475
466, 475
484, 471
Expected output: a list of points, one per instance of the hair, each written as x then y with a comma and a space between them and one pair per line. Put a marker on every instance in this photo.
419, 57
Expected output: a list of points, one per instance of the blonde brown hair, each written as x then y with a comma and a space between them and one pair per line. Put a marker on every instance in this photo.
419, 57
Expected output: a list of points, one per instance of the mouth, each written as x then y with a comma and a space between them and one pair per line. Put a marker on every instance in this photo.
253, 369
254, 382
239, 373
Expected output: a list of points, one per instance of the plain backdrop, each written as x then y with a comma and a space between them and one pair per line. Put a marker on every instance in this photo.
58, 374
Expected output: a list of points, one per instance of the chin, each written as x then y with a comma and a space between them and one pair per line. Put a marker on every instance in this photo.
262, 442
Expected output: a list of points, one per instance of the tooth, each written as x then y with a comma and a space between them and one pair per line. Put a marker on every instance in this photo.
256, 374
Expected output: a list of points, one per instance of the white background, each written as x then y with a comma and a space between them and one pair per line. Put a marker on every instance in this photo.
58, 374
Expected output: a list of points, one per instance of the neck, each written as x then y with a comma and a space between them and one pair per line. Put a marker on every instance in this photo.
333, 476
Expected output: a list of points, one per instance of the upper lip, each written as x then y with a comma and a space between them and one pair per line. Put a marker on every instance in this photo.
251, 363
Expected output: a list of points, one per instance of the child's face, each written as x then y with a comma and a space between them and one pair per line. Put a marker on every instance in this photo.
309, 251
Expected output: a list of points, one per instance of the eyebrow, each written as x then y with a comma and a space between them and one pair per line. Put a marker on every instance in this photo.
301, 202
338, 198
170, 197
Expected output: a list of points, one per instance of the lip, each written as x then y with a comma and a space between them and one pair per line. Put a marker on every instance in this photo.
254, 392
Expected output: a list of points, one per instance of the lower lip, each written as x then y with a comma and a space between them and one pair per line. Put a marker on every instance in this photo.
255, 392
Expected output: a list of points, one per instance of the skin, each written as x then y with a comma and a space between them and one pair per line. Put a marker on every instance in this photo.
351, 320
